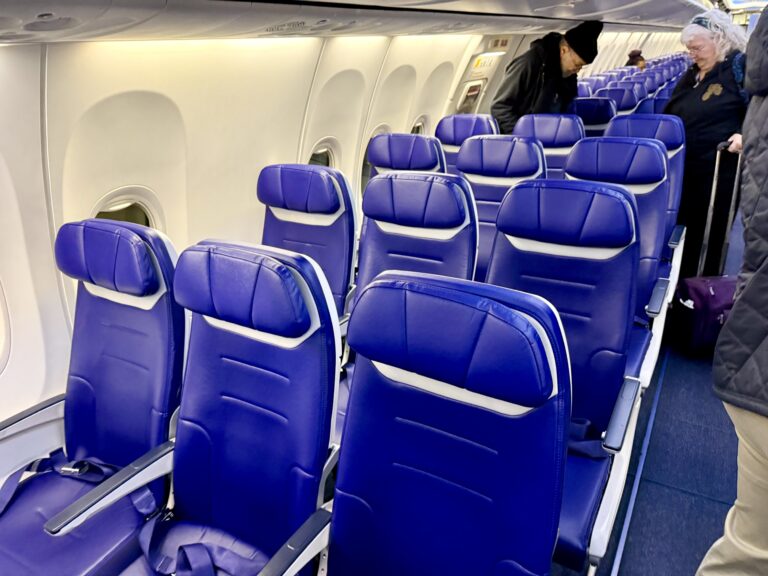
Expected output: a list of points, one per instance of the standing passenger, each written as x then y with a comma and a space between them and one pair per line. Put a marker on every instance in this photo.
741, 357
544, 78
711, 102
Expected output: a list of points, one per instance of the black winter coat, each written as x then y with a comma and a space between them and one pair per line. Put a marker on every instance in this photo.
741, 357
533, 83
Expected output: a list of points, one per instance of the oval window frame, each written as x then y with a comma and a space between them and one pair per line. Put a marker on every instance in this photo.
143, 196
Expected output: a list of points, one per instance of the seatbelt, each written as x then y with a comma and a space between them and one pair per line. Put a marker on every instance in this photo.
580, 444
196, 559
92, 471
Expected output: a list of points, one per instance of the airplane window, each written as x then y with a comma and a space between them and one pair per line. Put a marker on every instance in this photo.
418, 128
321, 157
126, 212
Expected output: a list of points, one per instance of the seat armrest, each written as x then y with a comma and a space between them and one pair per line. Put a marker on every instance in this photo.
45, 411
344, 324
677, 236
31, 434
154, 464
658, 298
331, 462
622, 412
308, 541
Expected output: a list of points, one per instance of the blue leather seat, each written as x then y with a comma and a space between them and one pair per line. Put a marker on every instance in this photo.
649, 80
492, 164
668, 130
625, 99
583, 89
419, 223
584, 261
122, 387
637, 86
256, 409
310, 210
595, 82
415, 152
454, 379
594, 112
557, 134
652, 105
639, 165
453, 130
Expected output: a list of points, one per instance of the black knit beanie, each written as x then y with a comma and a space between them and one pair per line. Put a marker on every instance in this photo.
583, 39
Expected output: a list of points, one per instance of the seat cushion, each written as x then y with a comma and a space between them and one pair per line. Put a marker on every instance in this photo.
170, 536
639, 340
585, 480
105, 543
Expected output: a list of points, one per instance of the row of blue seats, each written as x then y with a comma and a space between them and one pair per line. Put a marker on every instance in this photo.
453, 381
439, 205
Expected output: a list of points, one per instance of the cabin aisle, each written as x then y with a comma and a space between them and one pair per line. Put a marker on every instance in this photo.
688, 477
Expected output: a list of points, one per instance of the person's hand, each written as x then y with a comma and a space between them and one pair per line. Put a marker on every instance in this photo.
735, 141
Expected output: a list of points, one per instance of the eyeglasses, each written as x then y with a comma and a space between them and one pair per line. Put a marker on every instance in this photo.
695, 49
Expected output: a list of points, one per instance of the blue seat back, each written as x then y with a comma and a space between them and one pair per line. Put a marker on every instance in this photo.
127, 340
557, 134
639, 165
596, 82
310, 210
584, 261
595, 113
387, 152
648, 79
670, 131
625, 99
420, 223
665, 92
583, 89
255, 417
637, 86
453, 130
492, 164
455, 432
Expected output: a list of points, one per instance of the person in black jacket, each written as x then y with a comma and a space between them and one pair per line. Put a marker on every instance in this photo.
741, 357
711, 102
544, 78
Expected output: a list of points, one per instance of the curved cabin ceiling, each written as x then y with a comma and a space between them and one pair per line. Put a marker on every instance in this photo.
33, 21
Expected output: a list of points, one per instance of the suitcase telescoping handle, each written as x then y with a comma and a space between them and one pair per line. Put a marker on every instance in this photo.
710, 212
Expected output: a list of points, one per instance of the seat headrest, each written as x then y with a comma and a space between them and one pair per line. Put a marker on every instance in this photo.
453, 130
663, 127
418, 200
104, 253
618, 160
452, 336
405, 152
594, 110
637, 86
624, 99
502, 156
298, 187
243, 287
598, 215
552, 130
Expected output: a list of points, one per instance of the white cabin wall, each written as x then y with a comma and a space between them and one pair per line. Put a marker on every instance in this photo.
34, 330
338, 106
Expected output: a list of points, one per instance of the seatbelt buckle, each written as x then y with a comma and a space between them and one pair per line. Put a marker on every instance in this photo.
74, 468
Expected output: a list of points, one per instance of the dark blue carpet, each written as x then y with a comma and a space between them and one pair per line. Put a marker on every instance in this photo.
688, 480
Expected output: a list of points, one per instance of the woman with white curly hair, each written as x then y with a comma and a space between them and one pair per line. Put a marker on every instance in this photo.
711, 101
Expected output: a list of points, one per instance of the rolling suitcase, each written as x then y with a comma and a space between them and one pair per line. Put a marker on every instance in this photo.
704, 302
